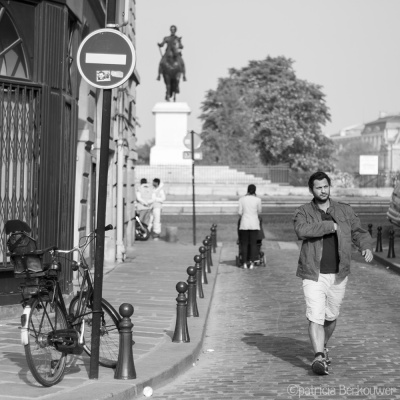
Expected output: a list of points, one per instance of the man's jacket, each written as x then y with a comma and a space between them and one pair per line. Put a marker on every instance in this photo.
310, 228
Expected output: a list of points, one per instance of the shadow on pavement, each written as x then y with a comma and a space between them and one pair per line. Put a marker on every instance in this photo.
20, 360
287, 349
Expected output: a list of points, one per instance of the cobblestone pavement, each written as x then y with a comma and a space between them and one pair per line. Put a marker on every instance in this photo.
257, 344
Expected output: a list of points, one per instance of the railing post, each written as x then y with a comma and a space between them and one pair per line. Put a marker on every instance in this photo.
379, 240
125, 367
202, 251
199, 276
181, 334
391, 253
208, 238
192, 310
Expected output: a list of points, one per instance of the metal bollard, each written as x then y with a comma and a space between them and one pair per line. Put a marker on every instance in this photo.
125, 367
378, 248
213, 241
391, 245
216, 241
207, 260
204, 279
208, 237
191, 309
181, 334
199, 275
370, 229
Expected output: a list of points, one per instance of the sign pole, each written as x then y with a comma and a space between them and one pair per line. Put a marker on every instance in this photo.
193, 191
101, 217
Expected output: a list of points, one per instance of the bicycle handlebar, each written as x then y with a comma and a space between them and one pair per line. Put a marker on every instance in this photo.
78, 248
106, 228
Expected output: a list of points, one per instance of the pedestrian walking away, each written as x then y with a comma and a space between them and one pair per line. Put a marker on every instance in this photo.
249, 228
327, 228
158, 200
144, 200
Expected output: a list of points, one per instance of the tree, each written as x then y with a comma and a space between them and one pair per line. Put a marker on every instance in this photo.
263, 111
143, 152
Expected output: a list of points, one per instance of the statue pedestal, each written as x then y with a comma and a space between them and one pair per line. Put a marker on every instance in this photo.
171, 129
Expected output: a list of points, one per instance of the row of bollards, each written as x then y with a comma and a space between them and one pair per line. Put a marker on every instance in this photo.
187, 305
378, 248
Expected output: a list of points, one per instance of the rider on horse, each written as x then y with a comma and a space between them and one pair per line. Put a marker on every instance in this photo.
174, 47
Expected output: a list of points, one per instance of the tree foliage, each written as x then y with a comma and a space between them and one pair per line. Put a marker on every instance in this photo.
143, 152
264, 112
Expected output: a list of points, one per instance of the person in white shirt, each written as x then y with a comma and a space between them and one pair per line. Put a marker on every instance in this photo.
144, 200
249, 227
158, 200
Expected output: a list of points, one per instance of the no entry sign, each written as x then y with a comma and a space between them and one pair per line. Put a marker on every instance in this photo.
106, 58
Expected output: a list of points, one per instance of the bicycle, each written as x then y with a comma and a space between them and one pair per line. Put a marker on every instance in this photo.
50, 332
141, 229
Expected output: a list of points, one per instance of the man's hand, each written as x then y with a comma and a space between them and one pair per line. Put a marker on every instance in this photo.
367, 255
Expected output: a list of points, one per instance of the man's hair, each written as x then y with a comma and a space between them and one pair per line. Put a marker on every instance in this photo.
156, 180
173, 26
318, 176
143, 180
251, 189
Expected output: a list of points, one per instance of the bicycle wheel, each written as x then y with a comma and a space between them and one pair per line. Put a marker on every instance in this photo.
142, 232
109, 334
45, 362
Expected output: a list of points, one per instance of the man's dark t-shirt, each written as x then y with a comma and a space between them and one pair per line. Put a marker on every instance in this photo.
330, 250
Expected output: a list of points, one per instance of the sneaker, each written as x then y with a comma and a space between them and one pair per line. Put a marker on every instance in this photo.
327, 359
251, 265
245, 266
319, 366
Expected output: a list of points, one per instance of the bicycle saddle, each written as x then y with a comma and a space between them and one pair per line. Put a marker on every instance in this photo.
15, 225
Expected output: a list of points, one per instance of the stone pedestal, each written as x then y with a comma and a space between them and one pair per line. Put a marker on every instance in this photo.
171, 123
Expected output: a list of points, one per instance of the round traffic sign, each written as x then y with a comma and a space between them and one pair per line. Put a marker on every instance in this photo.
106, 58
187, 141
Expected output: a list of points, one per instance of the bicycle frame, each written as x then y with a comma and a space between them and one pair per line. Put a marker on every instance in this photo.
85, 292
50, 328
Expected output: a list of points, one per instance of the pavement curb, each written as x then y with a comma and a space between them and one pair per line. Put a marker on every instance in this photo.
385, 262
181, 356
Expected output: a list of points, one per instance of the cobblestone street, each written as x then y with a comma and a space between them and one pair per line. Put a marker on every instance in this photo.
257, 344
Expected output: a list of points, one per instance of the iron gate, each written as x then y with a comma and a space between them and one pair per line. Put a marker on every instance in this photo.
20, 128
19, 155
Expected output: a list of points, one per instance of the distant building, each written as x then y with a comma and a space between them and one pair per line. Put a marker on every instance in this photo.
382, 136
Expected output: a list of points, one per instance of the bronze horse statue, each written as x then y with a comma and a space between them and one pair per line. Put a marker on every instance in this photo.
171, 71
171, 65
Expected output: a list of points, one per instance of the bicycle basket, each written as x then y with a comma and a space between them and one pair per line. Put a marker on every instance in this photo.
20, 244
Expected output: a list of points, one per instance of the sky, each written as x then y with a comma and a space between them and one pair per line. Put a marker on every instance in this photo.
349, 47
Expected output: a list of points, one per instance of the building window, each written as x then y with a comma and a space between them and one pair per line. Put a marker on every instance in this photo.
12, 56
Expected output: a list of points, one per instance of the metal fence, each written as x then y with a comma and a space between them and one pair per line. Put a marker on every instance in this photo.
217, 174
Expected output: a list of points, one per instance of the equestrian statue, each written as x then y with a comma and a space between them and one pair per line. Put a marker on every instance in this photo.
171, 65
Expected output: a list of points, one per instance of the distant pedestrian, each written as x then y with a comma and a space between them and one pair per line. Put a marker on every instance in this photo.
158, 200
144, 200
249, 226
328, 229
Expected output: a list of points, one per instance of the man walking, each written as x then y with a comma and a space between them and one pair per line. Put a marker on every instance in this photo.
158, 200
328, 229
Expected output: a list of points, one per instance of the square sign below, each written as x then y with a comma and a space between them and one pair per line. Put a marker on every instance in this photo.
369, 165
187, 155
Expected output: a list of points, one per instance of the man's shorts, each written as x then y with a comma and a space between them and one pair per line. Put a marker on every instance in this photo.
323, 298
